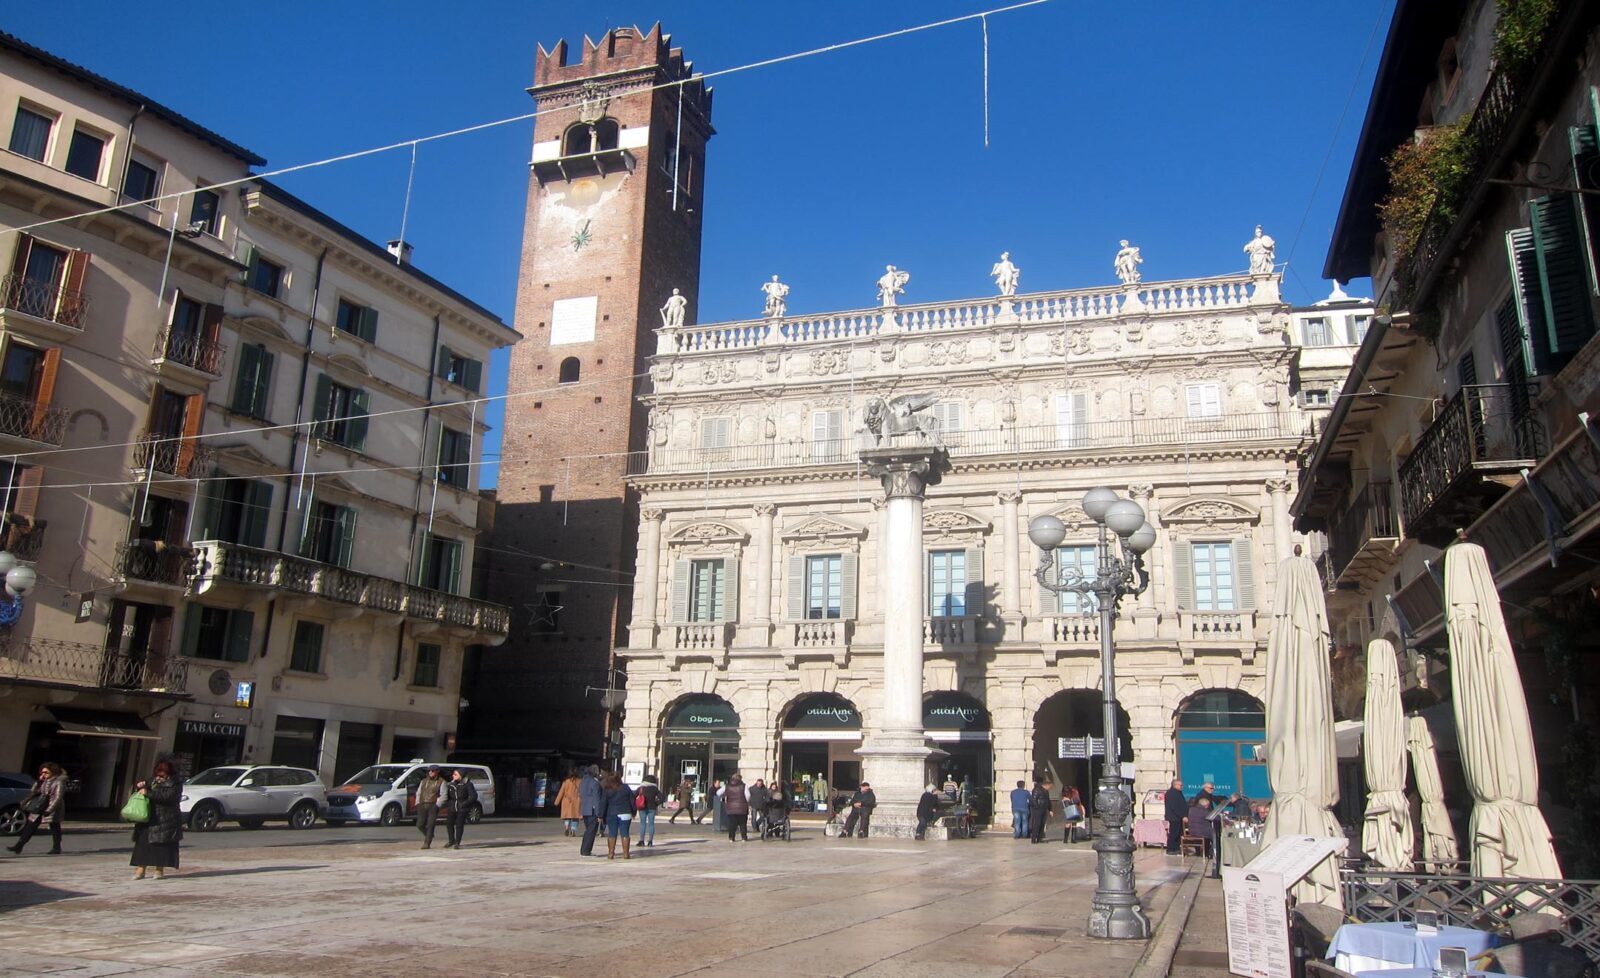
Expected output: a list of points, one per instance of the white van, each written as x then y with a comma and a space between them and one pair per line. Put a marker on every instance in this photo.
387, 793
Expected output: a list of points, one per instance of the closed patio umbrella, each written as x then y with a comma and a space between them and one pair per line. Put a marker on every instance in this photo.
1439, 851
1301, 756
1509, 834
1386, 833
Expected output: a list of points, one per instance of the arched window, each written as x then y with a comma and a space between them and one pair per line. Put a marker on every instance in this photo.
606, 134
583, 137
569, 371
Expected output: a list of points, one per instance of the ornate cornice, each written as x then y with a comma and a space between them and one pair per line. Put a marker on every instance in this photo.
820, 528
707, 532
1210, 511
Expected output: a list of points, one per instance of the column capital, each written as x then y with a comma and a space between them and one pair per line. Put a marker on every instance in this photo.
764, 509
1009, 497
652, 515
1278, 486
1141, 490
907, 472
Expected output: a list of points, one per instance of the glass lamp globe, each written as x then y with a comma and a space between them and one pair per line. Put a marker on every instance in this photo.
1097, 500
1124, 517
1046, 532
1142, 539
21, 579
8, 560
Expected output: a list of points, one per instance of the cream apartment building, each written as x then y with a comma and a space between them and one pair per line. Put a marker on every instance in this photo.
757, 628
234, 563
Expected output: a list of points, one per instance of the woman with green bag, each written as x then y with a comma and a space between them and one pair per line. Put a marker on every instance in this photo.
155, 840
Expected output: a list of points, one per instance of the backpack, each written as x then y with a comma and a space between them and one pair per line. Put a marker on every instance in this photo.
638, 799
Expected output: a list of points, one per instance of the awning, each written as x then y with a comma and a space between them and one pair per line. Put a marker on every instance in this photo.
101, 723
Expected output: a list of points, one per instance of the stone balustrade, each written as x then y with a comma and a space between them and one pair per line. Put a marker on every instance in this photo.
951, 630
700, 637
1073, 629
1231, 627
820, 634
1077, 305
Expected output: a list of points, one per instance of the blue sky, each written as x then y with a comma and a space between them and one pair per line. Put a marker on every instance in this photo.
1175, 124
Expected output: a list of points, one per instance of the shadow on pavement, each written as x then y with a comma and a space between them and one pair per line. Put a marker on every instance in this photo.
26, 893
247, 871
517, 844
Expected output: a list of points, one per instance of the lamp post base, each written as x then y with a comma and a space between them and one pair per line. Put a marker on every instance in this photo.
1116, 912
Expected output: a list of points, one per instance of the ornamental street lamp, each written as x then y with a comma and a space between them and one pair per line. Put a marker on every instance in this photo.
20, 579
1116, 911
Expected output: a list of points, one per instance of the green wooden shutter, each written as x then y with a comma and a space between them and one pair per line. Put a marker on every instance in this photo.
248, 260
368, 325
1183, 573
1586, 167
257, 507
1569, 317
321, 404
244, 382
728, 599
452, 578
346, 521
1527, 304
681, 572
356, 427
240, 623
977, 590
191, 629
849, 574
796, 585
473, 381
263, 387
433, 446
1244, 573
211, 503
442, 368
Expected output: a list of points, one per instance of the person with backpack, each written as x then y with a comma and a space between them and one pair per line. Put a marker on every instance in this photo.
459, 795
645, 801
1038, 810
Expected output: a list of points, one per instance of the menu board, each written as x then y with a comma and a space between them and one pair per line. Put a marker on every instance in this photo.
1255, 898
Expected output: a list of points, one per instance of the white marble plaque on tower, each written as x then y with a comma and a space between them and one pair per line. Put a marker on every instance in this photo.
572, 320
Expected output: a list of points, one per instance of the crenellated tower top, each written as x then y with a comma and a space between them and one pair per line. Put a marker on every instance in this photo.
624, 58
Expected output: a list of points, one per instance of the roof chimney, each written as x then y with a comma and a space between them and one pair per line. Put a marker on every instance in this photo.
401, 250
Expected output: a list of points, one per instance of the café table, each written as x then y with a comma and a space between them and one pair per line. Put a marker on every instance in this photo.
1376, 947
1421, 973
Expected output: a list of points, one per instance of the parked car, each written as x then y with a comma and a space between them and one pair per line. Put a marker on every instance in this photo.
387, 793
13, 788
250, 795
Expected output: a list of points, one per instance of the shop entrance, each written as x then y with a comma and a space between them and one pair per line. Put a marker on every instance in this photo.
819, 736
960, 725
1074, 713
699, 743
1217, 733
205, 743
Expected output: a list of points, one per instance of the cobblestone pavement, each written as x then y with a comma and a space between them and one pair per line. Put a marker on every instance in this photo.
519, 900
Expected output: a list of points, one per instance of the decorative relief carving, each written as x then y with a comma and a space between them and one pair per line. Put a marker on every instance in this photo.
953, 351
1074, 518
662, 372
830, 361
707, 532
820, 528
1140, 490
764, 509
1076, 341
719, 372
771, 362
1210, 513
1279, 485
651, 515
1009, 497
1206, 332
949, 522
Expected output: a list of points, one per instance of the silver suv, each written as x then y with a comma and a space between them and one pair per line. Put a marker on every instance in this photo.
252, 795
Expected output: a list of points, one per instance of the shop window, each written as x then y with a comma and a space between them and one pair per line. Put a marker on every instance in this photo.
297, 742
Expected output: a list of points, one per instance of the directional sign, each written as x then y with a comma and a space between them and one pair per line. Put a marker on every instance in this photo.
1080, 748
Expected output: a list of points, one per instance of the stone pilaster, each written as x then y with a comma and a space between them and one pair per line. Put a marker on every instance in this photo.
1282, 527
762, 619
642, 630
1010, 573
1146, 613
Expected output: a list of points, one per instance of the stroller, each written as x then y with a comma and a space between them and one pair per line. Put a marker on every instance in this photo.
776, 819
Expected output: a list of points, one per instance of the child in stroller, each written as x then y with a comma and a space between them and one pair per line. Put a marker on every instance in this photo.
776, 812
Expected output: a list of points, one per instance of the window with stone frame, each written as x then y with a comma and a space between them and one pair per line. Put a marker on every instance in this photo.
716, 434
828, 441
821, 569
703, 575
1069, 557
954, 564
1215, 574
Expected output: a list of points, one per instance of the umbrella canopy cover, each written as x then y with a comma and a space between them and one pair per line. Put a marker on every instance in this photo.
1509, 834
1302, 762
1386, 833
1439, 852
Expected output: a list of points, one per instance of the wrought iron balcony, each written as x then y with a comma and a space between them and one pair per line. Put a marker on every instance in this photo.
22, 536
186, 458
21, 417
1421, 601
155, 562
192, 350
222, 563
46, 660
43, 300
1365, 535
1460, 466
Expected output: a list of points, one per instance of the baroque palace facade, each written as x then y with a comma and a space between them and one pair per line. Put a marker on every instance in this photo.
757, 630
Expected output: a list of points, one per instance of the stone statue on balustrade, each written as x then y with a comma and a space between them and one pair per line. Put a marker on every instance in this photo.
891, 284
672, 312
1263, 253
1127, 263
776, 293
1005, 275
900, 420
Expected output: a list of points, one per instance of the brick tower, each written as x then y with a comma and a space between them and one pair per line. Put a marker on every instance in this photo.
612, 227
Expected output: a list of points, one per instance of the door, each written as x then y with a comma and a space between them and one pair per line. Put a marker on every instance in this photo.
250, 796
285, 786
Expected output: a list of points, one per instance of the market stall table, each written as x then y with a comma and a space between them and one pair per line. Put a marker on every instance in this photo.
1386, 946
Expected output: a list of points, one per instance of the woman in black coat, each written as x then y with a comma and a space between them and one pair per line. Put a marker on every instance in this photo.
155, 842
616, 813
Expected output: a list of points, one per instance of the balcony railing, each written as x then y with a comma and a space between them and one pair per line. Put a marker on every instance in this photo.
1216, 626
193, 350
1136, 434
1073, 629
1193, 295
700, 637
186, 458
22, 536
155, 562
46, 660
42, 300
1484, 430
821, 633
1366, 524
1421, 601
21, 417
951, 629
231, 563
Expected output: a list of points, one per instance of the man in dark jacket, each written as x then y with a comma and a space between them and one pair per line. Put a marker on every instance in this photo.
460, 794
1038, 810
428, 791
589, 808
927, 810
1200, 824
1176, 809
861, 805
1019, 811
757, 793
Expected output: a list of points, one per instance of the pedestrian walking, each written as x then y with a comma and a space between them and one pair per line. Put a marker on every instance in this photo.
428, 791
46, 801
736, 808
1038, 810
718, 814
861, 805
1071, 811
685, 795
460, 794
571, 805
589, 808
927, 810
616, 811
155, 840
1019, 811
1175, 810
757, 794
647, 799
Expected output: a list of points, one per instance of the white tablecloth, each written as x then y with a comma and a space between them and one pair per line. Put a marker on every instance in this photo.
1359, 948
1419, 973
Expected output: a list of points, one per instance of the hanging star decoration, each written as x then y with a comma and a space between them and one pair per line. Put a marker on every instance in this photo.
542, 614
581, 237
